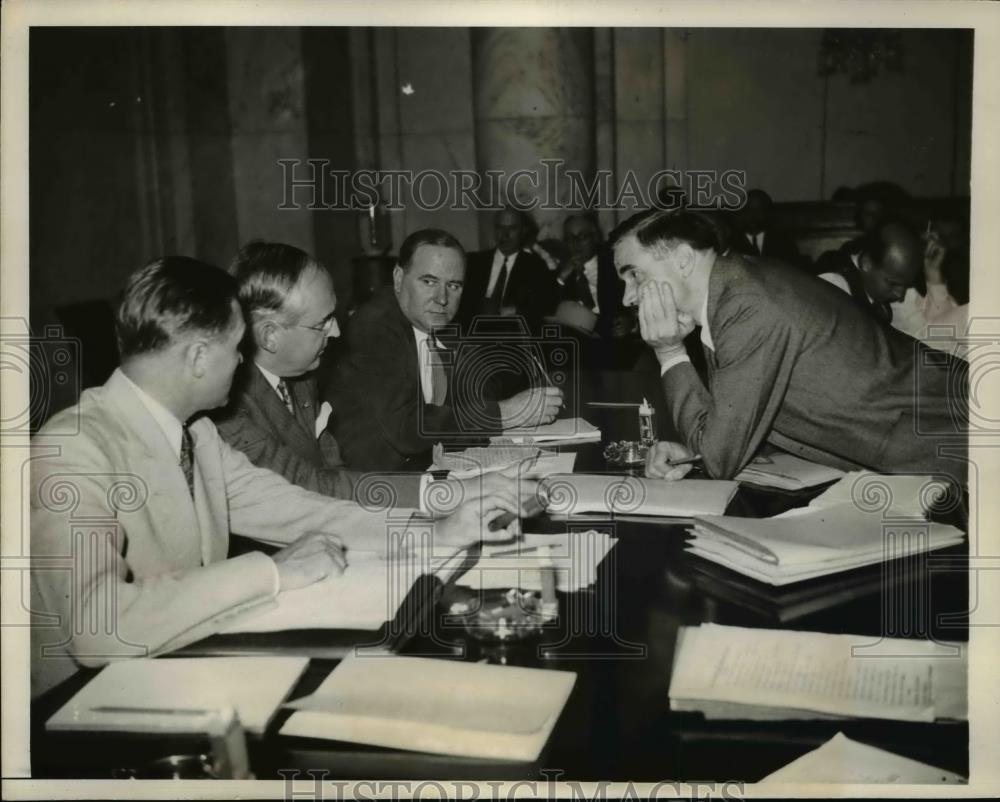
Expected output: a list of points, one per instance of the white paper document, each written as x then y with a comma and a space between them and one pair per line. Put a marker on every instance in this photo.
368, 593
170, 694
440, 706
843, 761
563, 430
574, 555
835, 675
580, 493
786, 472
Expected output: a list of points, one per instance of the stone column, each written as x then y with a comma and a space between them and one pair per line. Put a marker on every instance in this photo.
534, 99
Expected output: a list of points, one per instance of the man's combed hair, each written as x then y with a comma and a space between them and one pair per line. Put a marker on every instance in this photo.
169, 297
658, 228
427, 236
266, 272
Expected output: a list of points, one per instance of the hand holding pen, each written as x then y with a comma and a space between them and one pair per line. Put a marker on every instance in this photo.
670, 461
545, 375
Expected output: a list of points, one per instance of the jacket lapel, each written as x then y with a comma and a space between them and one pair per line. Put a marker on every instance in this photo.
288, 426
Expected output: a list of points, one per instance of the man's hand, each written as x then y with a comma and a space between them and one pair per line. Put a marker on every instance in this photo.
934, 254
444, 497
533, 407
470, 523
312, 557
663, 328
659, 457
571, 266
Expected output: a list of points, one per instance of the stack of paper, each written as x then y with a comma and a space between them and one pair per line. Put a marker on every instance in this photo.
574, 555
632, 496
566, 430
735, 672
841, 529
440, 706
785, 472
180, 694
368, 593
841, 760
532, 462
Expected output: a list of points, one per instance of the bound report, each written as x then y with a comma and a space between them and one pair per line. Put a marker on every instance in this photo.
579, 493
786, 472
742, 673
440, 706
559, 431
170, 694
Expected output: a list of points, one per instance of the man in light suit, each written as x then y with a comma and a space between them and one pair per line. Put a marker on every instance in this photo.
402, 384
791, 362
131, 515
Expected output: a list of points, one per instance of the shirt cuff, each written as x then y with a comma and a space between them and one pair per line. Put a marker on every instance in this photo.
276, 587
674, 360
425, 480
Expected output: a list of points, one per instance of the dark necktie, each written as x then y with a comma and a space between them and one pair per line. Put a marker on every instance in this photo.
439, 379
187, 458
501, 285
583, 290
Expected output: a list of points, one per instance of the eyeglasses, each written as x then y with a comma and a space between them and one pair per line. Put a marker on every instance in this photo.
322, 328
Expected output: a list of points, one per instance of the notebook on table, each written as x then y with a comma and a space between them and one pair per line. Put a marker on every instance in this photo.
581, 493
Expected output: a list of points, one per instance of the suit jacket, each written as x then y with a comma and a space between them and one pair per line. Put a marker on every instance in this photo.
125, 563
382, 421
257, 423
797, 364
531, 288
777, 245
841, 263
610, 291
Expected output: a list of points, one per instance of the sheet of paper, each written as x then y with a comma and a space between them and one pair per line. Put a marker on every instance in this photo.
905, 495
630, 495
787, 472
135, 694
565, 429
367, 594
443, 706
813, 671
841, 760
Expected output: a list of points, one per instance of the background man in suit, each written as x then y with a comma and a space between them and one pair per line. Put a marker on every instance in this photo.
509, 279
168, 491
404, 384
274, 415
757, 233
791, 362
588, 277
888, 261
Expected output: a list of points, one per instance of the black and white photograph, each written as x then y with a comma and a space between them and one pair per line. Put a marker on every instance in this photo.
500, 400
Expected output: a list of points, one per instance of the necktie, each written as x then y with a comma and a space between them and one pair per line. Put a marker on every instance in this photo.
501, 285
286, 397
583, 289
187, 458
439, 379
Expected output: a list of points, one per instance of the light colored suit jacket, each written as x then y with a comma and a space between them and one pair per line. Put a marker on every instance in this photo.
125, 563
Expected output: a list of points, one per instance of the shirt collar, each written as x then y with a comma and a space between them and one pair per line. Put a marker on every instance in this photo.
856, 261
423, 337
165, 419
271, 378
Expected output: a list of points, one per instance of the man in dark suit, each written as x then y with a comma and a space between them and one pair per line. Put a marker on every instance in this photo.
792, 362
507, 280
886, 263
588, 277
404, 384
757, 235
275, 415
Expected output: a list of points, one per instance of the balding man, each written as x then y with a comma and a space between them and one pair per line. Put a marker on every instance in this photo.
889, 261
791, 362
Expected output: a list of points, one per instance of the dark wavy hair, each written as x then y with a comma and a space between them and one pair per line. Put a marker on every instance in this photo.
266, 272
427, 236
659, 228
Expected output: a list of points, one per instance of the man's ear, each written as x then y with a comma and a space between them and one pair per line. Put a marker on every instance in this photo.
865, 263
196, 358
685, 256
265, 335
397, 278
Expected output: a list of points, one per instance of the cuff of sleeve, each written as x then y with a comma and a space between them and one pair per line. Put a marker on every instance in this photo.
674, 360
276, 585
425, 480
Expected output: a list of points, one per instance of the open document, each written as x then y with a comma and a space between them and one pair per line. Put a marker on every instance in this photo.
580, 493
737, 672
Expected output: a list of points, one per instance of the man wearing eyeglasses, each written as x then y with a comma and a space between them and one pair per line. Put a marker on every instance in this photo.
275, 415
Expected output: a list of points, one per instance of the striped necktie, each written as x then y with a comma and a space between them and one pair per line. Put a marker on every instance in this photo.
286, 397
187, 458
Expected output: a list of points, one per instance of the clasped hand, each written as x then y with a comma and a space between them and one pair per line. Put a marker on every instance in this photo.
662, 326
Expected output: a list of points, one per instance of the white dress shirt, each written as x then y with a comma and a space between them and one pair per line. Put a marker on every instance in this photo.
590, 272
172, 428
424, 362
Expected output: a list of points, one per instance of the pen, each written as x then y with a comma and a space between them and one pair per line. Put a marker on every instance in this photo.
688, 461
157, 711
545, 373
